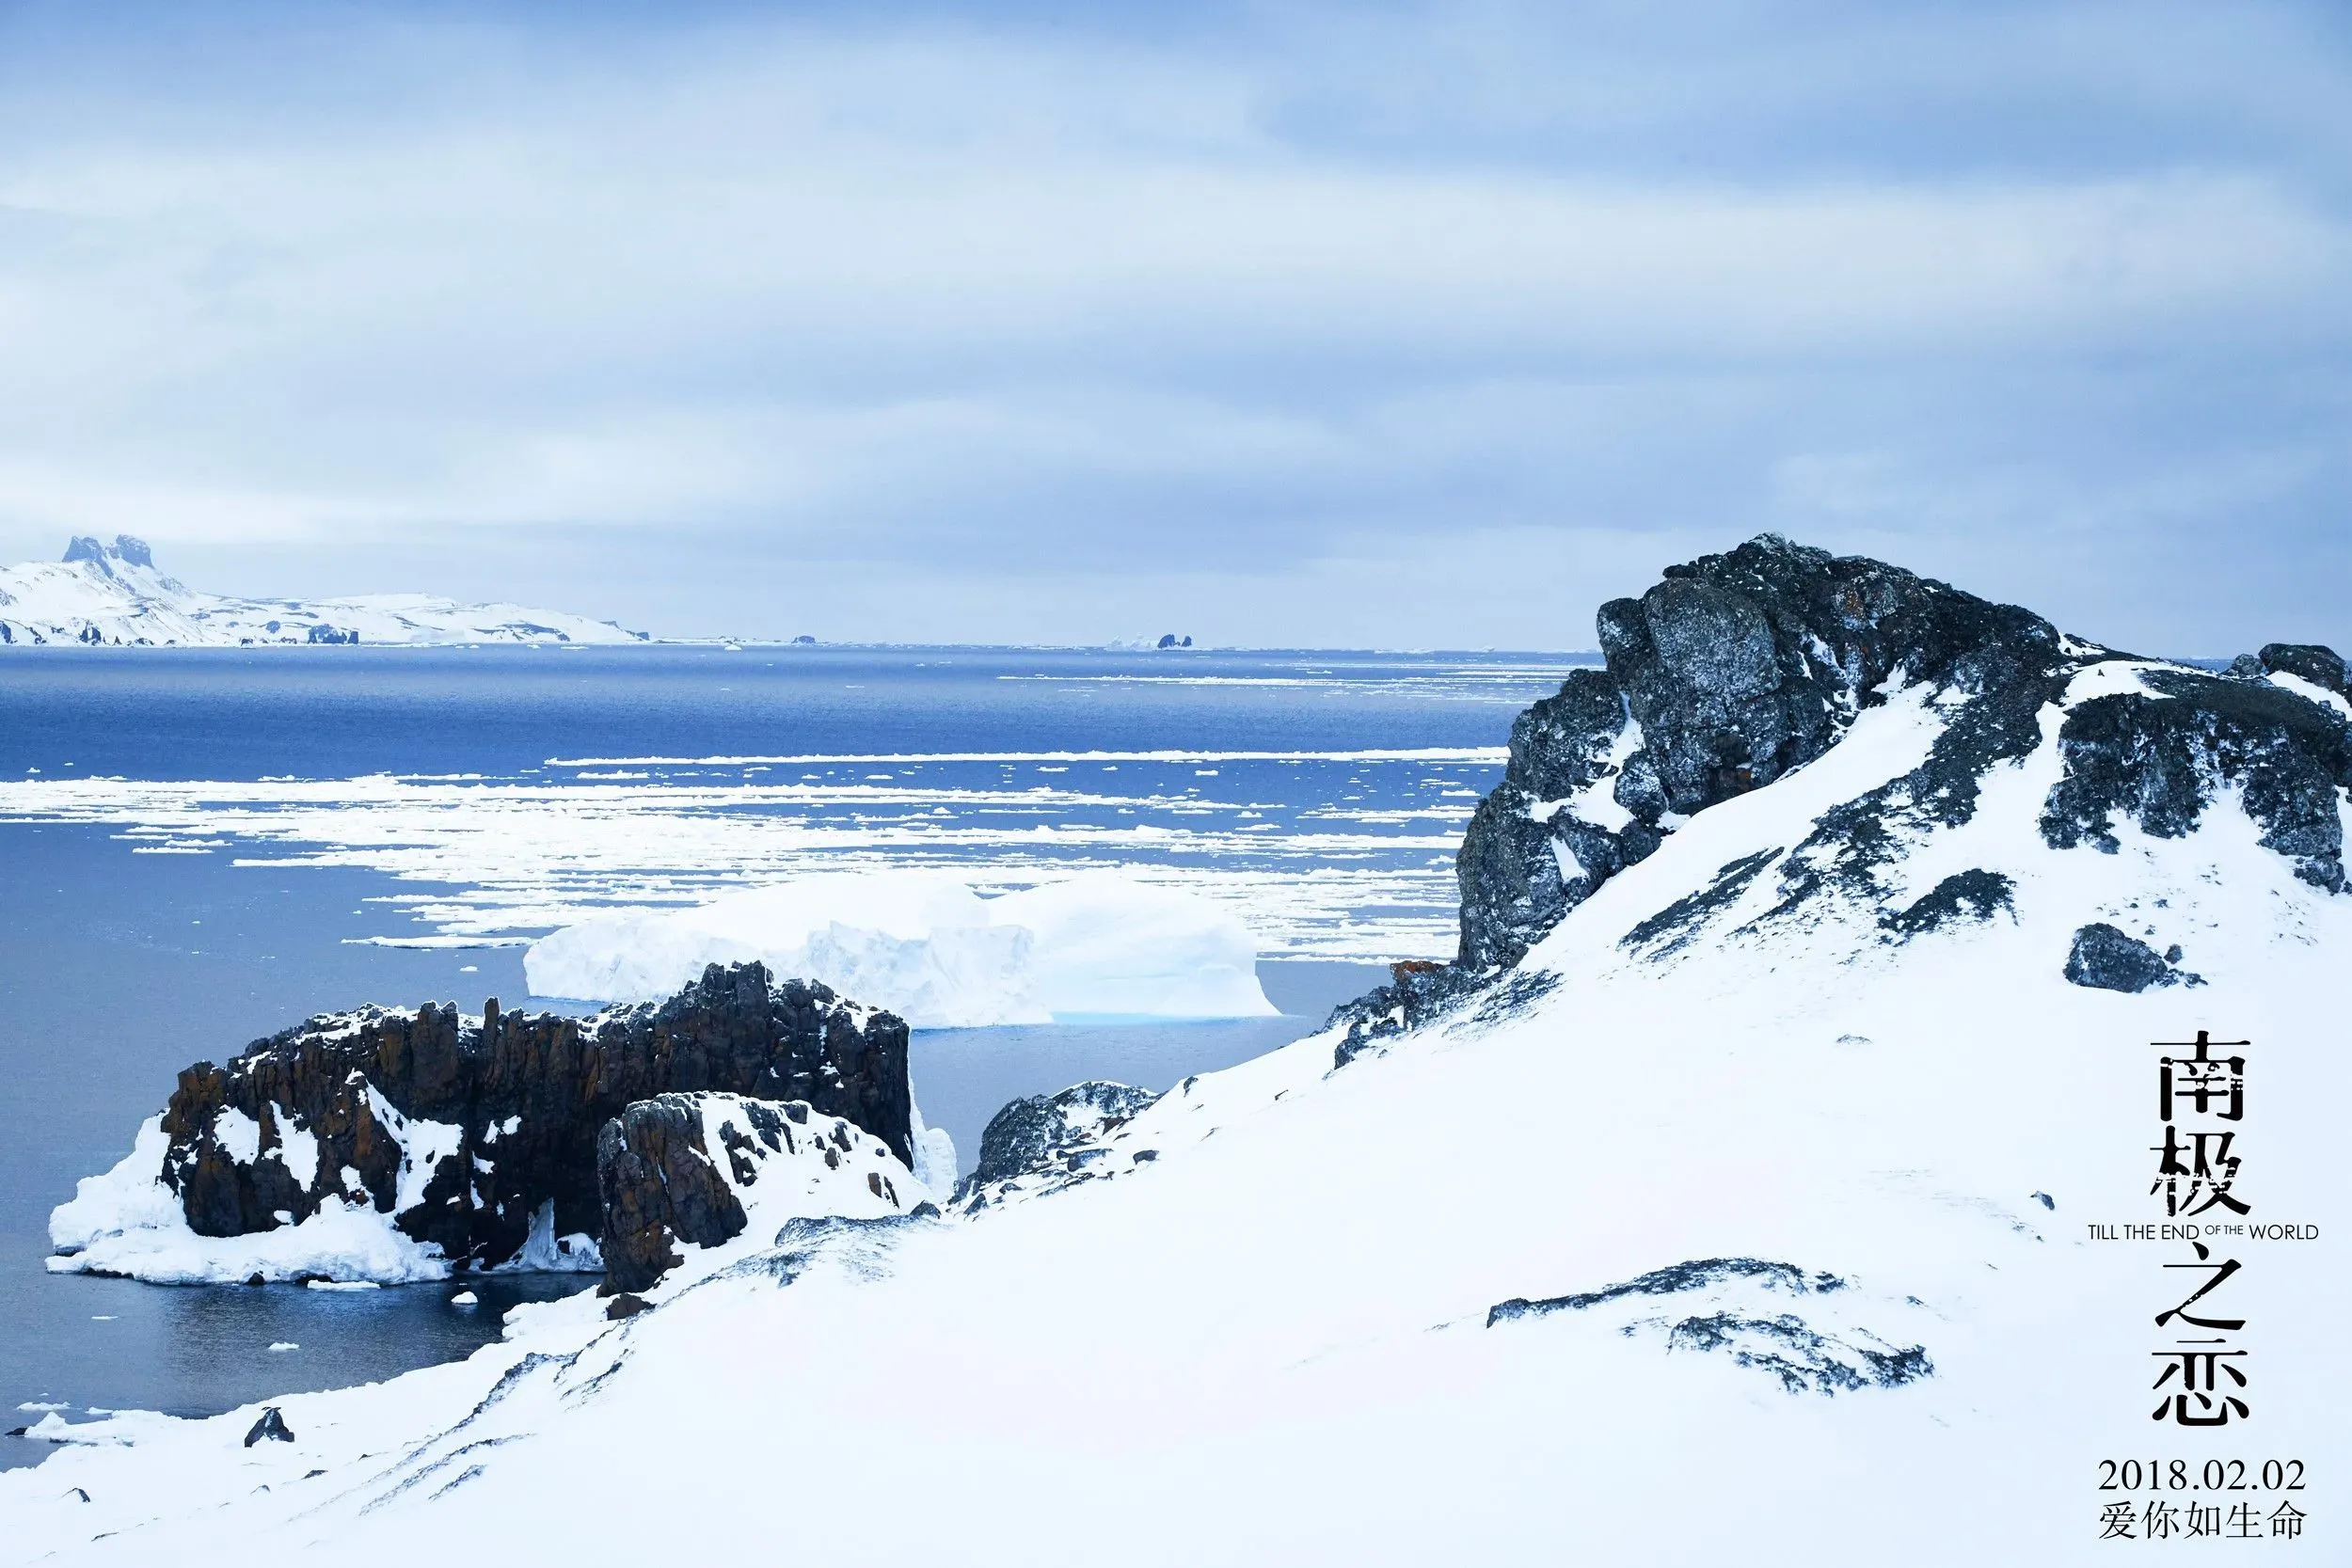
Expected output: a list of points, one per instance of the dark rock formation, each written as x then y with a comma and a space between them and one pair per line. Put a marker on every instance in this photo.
1050, 1138
1801, 1357
1733, 671
271, 1428
1739, 669
2106, 958
1783, 1345
2314, 662
664, 1182
2158, 757
1026, 1134
659, 1181
1976, 894
1697, 1275
505, 1114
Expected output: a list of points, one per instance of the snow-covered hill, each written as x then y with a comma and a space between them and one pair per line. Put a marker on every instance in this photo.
1730, 1199
103, 594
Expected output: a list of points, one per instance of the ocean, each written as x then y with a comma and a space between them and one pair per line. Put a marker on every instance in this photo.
200, 847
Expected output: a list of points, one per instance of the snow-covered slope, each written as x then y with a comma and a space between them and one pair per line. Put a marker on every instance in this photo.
929, 949
103, 595
1740, 1215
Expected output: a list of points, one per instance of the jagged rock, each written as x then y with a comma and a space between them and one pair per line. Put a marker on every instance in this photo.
271, 1428
1735, 670
1699, 1274
1415, 995
622, 1307
691, 1168
2314, 662
1974, 894
478, 1124
1743, 666
1050, 1139
1800, 1357
2160, 757
2106, 959
1739, 668
658, 1181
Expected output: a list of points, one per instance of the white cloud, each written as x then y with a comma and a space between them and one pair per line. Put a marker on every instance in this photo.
989, 296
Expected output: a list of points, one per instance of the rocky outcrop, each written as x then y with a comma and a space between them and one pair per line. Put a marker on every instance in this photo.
1739, 669
1826, 1351
2105, 958
2159, 756
1734, 671
1048, 1141
684, 1168
466, 1130
271, 1428
2312, 661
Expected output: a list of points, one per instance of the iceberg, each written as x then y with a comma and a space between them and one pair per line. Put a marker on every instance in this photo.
926, 947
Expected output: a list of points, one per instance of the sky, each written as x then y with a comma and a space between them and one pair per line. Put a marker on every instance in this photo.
1360, 324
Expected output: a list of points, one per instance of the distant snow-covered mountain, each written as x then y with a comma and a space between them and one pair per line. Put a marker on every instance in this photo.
113, 594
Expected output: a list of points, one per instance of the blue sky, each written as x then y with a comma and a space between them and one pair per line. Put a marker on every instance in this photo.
1345, 326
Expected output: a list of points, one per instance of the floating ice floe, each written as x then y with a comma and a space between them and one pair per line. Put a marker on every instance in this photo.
926, 946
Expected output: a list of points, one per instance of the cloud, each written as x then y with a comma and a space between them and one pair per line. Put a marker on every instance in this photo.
1260, 300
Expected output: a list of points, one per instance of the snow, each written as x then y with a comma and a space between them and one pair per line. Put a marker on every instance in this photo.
117, 595
238, 1135
1280, 1329
346, 1241
926, 947
423, 1146
128, 1223
298, 1151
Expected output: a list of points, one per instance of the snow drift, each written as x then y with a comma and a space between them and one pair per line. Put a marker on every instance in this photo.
1729, 1199
929, 949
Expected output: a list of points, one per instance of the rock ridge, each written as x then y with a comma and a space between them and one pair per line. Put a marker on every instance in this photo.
464, 1130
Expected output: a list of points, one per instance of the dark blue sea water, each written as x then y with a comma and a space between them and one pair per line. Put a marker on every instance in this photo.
197, 847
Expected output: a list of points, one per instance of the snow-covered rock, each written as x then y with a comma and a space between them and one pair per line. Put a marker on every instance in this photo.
699, 1170
1042, 1143
1744, 1215
929, 949
390, 1145
110, 595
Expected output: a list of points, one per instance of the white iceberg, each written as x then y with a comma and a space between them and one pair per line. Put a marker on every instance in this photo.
929, 949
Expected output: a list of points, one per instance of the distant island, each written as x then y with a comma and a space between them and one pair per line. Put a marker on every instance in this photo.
112, 595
